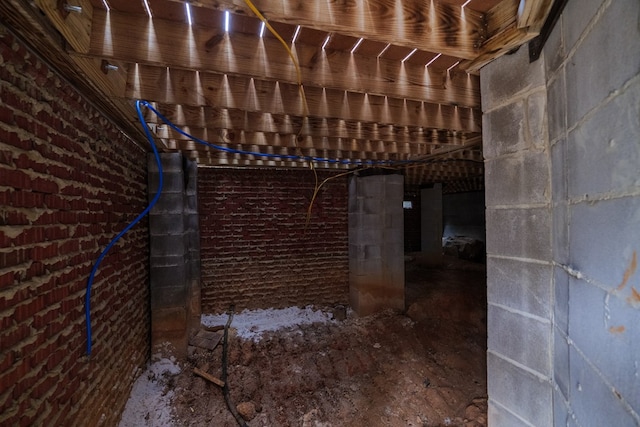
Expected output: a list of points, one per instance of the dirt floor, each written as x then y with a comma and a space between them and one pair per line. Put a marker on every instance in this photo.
425, 367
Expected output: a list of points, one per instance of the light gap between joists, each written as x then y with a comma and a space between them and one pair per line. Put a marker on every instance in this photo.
355, 46
296, 34
409, 55
227, 21
326, 41
147, 8
187, 7
433, 60
384, 50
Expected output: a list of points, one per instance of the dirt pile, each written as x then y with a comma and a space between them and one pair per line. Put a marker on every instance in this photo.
384, 370
298, 367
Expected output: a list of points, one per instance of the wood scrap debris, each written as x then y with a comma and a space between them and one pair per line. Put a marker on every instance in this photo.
208, 377
206, 339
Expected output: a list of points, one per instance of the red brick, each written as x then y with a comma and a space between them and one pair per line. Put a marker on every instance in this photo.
6, 114
13, 336
110, 178
54, 201
44, 185
13, 258
16, 179
6, 360
59, 171
55, 233
7, 279
260, 216
27, 420
27, 199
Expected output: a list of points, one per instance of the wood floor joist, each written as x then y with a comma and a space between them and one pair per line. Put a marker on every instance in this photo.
381, 79
434, 26
192, 88
226, 124
116, 37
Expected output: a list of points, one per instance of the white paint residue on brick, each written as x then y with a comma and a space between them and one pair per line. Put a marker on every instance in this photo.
149, 403
251, 324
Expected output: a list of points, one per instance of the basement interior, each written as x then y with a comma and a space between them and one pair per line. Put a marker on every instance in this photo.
325, 213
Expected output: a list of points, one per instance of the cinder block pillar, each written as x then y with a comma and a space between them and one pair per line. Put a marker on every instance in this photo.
174, 252
376, 243
192, 239
519, 269
431, 224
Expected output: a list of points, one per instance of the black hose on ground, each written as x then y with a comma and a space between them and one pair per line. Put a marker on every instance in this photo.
225, 389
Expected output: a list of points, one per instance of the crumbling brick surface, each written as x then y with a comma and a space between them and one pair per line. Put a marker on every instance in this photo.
69, 181
256, 250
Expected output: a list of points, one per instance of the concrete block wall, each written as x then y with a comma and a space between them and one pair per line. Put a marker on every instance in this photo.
563, 231
257, 251
593, 81
69, 182
175, 256
192, 239
518, 238
376, 243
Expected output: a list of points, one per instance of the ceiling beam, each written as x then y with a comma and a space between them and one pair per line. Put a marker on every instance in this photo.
431, 26
214, 122
511, 23
73, 21
439, 169
532, 14
358, 149
116, 36
37, 31
293, 141
230, 160
211, 89
219, 135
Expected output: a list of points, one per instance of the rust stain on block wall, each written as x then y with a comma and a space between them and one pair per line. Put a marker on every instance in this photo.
631, 269
634, 298
617, 330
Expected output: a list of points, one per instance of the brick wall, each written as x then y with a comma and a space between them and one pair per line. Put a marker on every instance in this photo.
255, 251
69, 181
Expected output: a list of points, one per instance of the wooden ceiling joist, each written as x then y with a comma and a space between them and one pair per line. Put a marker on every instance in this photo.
72, 20
292, 141
510, 24
340, 155
117, 36
432, 25
233, 92
213, 122
219, 135
532, 14
403, 94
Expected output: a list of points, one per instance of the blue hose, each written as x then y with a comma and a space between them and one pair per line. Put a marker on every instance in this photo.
140, 103
276, 156
127, 228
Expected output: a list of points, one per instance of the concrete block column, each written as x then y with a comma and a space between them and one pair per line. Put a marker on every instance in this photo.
192, 239
519, 233
174, 253
376, 243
